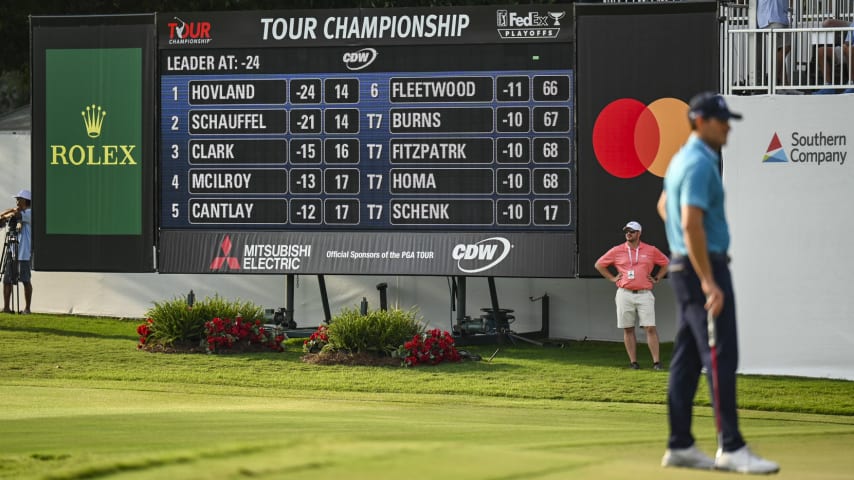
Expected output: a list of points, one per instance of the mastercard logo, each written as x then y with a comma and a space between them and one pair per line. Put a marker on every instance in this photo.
630, 138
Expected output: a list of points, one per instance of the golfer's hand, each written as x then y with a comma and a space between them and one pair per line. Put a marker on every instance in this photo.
617, 277
714, 297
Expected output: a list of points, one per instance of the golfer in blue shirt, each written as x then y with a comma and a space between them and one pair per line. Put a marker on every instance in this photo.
692, 207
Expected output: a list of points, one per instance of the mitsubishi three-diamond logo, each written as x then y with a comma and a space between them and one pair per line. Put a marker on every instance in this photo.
231, 262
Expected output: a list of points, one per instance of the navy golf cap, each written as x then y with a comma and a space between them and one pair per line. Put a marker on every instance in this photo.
710, 105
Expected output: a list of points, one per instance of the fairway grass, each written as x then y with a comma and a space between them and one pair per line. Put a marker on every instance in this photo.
78, 401
80, 432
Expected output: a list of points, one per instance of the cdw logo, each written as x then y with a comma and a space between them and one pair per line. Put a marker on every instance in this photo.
359, 59
480, 256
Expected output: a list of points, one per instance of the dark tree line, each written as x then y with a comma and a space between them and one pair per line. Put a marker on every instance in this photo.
15, 25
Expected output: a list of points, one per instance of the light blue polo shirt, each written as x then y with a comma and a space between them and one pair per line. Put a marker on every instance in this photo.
694, 178
772, 11
25, 235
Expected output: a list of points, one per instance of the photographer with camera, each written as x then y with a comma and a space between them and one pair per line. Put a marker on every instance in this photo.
18, 249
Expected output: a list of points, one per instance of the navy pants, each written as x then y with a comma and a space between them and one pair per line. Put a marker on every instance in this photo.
691, 353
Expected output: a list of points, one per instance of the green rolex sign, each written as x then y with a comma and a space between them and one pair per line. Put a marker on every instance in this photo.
94, 142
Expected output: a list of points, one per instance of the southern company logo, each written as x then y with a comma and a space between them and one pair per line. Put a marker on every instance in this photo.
775, 153
93, 155
512, 25
232, 263
630, 138
481, 256
189, 33
819, 149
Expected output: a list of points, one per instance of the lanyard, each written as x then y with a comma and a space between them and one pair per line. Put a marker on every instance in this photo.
637, 255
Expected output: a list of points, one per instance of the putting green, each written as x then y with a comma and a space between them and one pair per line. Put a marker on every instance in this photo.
164, 431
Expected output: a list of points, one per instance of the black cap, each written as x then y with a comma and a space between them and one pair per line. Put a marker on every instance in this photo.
710, 105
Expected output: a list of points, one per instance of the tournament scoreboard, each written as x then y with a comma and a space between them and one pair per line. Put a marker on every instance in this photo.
371, 141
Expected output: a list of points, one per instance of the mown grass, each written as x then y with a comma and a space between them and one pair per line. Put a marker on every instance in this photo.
80, 348
78, 401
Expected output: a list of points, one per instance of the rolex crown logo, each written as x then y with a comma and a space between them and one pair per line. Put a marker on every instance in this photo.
93, 119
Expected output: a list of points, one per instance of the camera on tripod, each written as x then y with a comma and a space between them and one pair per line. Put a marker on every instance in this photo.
11, 222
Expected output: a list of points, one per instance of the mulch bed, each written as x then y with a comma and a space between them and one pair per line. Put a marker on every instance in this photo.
330, 358
342, 358
194, 347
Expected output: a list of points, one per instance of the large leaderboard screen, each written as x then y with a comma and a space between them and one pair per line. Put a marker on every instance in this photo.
381, 141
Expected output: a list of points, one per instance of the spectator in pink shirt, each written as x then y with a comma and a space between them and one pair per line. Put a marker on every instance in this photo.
635, 263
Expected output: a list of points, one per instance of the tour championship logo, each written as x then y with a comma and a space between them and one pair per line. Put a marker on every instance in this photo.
189, 33
527, 25
481, 256
231, 263
630, 138
775, 153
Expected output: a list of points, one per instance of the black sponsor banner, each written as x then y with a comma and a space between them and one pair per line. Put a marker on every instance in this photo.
374, 26
365, 253
93, 154
646, 60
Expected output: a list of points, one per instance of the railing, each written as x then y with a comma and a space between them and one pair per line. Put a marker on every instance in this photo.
750, 63
749, 60
733, 16
813, 12
815, 59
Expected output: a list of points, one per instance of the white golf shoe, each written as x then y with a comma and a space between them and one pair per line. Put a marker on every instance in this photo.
690, 457
744, 461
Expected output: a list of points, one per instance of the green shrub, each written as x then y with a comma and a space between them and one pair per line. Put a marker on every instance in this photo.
175, 321
380, 331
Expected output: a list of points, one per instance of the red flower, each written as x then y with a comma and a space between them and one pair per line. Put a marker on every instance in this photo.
433, 347
225, 333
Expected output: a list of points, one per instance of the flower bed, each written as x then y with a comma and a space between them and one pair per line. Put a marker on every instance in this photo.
426, 348
221, 335
212, 325
317, 340
429, 348
224, 333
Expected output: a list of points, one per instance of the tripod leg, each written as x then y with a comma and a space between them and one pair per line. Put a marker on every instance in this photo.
514, 336
17, 288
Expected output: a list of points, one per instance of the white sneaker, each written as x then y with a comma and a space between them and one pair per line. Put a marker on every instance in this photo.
690, 457
744, 461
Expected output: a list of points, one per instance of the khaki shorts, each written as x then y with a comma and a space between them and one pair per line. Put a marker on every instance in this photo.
635, 308
781, 36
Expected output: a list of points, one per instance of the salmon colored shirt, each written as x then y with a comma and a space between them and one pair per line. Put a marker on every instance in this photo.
641, 259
